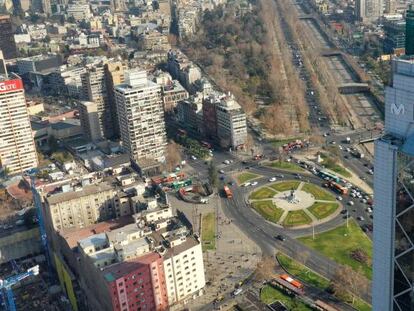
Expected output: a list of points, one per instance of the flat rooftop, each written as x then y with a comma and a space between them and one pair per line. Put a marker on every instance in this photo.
87, 190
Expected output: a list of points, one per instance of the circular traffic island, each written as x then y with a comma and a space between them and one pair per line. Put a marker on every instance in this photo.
294, 204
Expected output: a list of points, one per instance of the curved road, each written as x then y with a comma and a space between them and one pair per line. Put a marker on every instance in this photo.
263, 232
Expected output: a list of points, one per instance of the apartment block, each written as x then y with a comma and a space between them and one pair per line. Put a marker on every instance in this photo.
17, 147
95, 89
141, 117
89, 117
231, 123
83, 206
148, 261
224, 121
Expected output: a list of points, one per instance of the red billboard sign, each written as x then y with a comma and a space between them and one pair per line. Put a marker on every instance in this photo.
11, 85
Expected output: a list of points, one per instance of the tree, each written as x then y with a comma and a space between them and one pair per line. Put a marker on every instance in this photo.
212, 174
347, 283
265, 269
173, 155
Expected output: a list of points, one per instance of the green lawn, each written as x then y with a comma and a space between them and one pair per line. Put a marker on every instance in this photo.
338, 244
361, 305
296, 218
302, 272
318, 192
268, 210
285, 185
246, 176
323, 209
262, 193
268, 295
208, 231
286, 166
332, 164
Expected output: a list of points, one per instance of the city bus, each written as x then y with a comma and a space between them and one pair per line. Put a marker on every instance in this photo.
327, 175
227, 192
337, 187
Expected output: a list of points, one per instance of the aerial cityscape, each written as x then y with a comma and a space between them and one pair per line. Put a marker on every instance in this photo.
206, 155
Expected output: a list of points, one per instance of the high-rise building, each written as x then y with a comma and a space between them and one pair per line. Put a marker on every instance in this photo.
17, 147
409, 31
368, 10
394, 36
7, 44
141, 117
114, 72
95, 90
393, 263
88, 112
3, 68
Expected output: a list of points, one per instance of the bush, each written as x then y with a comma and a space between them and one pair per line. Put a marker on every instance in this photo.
360, 255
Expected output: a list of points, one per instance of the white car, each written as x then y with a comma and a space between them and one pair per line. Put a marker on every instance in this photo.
246, 184
226, 162
237, 291
254, 183
193, 157
339, 198
369, 210
272, 179
360, 218
340, 147
351, 203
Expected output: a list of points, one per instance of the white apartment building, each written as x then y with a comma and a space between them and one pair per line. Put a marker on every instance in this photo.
17, 147
141, 117
84, 206
79, 11
231, 123
184, 269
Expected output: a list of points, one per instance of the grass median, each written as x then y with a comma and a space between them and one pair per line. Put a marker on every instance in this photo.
268, 210
340, 243
302, 272
208, 231
288, 166
245, 177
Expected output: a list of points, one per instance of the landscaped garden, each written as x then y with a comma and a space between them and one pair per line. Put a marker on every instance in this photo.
268, 210
263, 193
285, 185
322, 210
297, 218
318, 192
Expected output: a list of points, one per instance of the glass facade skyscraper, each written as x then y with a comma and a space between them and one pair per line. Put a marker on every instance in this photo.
393, 280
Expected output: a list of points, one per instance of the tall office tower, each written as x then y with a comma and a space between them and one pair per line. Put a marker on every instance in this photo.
95, 90
393, 263
409, 31
141, 117
17, 147
114, 72
7, 44
368, 11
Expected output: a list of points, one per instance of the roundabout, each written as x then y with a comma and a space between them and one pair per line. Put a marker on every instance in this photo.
294, 204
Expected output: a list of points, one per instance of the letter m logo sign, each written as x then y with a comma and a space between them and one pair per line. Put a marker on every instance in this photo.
397, 109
